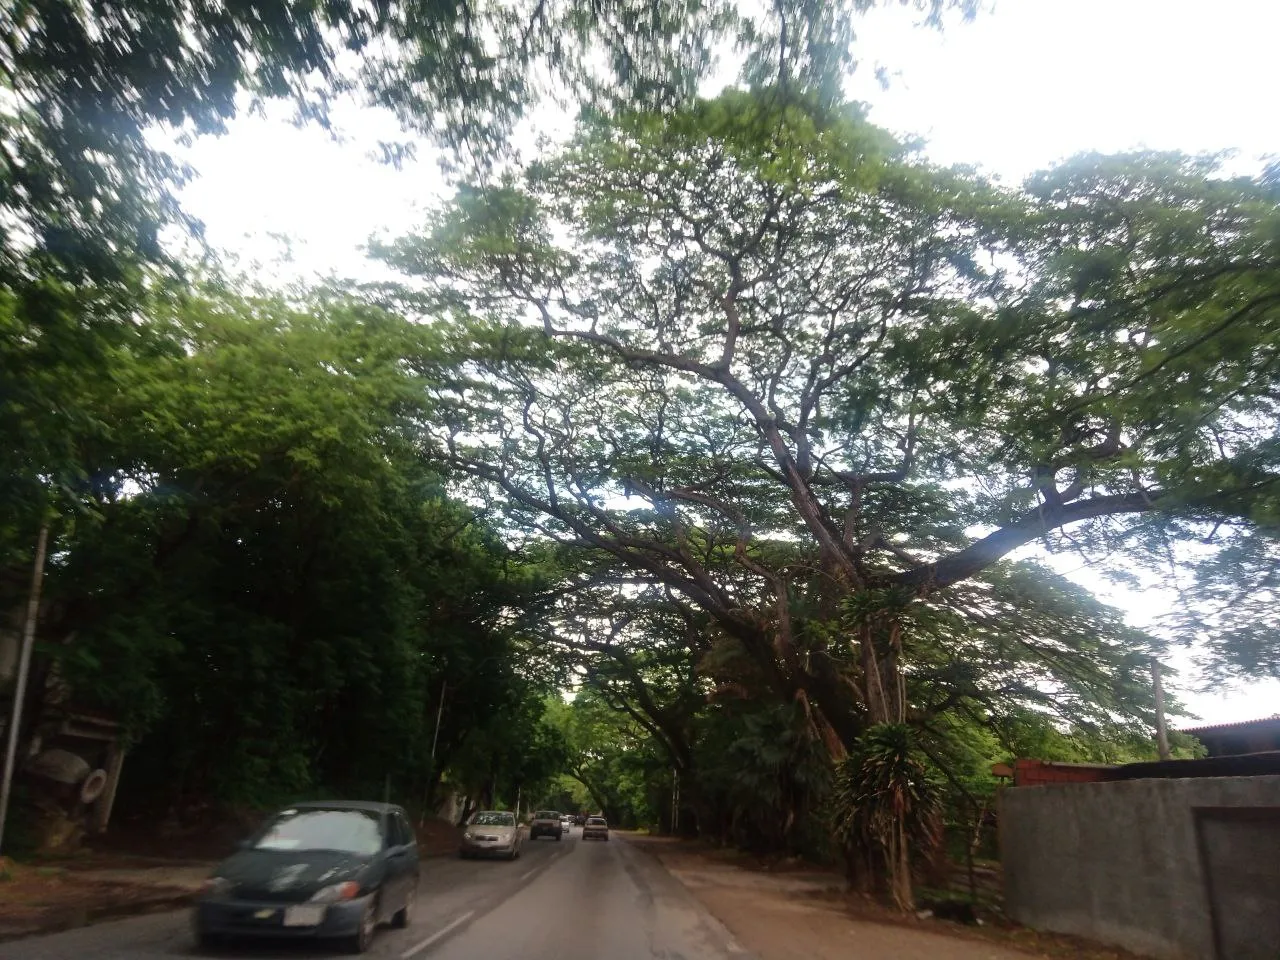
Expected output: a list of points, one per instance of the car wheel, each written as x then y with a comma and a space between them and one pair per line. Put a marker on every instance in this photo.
404, 916
363, 939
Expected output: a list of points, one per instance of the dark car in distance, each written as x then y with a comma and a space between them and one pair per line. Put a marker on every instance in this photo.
315, 870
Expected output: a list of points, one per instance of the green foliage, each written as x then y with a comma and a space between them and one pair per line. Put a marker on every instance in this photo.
516, 749
263, 581
85, 193
762, 776
885, 781
773, 442
613, 760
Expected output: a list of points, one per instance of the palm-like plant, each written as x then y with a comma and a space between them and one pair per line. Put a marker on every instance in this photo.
884, 804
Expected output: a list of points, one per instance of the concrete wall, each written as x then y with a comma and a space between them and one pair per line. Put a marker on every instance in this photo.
1119, 862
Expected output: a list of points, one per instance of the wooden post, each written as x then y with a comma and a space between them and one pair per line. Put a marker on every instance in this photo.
24, 668
435, 737
435, 774
1162, 735
102, 806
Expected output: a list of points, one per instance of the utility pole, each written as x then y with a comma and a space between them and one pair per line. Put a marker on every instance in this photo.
1162, 735
444, 685
24, 668
435, 738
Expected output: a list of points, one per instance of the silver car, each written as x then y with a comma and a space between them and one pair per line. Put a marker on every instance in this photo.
491, 833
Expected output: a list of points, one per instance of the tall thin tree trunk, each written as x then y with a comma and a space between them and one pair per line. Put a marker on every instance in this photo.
871, 675
886, 696
900, 868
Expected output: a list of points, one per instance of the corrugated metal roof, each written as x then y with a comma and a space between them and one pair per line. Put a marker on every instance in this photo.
1237, 727
1262, 764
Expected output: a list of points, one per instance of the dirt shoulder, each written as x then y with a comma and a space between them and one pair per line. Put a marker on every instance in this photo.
43, 899
801, 913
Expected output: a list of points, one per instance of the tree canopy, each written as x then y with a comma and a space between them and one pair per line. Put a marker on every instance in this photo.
762, 355
86, 187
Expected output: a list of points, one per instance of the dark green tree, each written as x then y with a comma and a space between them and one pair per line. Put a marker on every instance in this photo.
267, 585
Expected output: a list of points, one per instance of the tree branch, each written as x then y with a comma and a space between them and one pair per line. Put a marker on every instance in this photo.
1032, 524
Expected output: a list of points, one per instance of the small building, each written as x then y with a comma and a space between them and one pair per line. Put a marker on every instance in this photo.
1234, 739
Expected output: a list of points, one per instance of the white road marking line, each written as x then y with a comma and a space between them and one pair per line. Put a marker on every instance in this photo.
529, 874
437, 935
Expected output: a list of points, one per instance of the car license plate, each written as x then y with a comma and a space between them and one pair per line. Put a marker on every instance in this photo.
308, 916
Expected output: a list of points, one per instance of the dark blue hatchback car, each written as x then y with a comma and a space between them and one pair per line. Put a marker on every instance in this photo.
333, 870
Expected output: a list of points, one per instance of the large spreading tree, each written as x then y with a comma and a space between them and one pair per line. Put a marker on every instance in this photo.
761, 354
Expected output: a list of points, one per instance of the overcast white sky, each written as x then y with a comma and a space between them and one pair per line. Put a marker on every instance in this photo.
1024, 85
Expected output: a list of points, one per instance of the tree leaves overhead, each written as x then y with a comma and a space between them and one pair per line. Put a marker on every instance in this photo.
86, 193
83, 187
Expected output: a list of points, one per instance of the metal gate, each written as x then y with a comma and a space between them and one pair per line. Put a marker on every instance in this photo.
1240, 858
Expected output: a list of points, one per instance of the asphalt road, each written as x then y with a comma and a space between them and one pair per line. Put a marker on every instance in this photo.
565, 900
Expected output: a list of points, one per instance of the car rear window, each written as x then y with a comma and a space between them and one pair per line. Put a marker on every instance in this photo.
546, 815
595, 821
350, 831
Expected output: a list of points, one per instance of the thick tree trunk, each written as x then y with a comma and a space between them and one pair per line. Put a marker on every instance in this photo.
468, 808
880, 651
859, 870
